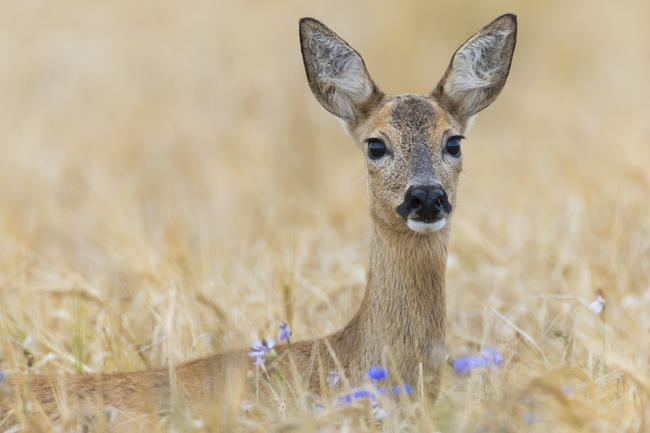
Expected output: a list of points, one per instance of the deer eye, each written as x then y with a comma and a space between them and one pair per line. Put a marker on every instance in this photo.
453, 145
376, 148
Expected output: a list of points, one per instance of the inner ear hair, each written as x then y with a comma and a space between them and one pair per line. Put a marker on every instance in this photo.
479, 68
336, 73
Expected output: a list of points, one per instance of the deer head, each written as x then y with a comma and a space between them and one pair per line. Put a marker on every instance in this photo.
411, 142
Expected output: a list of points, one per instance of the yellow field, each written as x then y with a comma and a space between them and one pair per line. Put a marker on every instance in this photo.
169, 188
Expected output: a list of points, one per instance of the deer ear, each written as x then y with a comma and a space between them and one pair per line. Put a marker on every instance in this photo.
336, 73
479, 68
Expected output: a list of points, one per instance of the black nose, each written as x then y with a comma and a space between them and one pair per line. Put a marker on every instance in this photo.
425, 203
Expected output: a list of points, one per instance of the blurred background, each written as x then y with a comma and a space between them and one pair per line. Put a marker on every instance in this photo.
170, 188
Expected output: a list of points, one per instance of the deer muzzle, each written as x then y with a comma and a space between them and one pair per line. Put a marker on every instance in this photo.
425, 204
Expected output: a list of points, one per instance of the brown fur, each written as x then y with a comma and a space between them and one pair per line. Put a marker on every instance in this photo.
401, 321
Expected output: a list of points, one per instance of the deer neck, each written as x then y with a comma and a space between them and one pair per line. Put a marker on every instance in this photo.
401, 321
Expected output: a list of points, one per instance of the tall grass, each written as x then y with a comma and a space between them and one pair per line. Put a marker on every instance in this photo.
166, 174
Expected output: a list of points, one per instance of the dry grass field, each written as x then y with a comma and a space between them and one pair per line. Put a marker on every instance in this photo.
169, 188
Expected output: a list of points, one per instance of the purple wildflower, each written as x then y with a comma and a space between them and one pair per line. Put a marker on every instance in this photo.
567, 389
493, 356
406, 387
285, 331
377, 372
2, 377
333, 378
465, 364
356, 394
597, 306
362, 393
489, 358
345, 399
260, 349
532, 418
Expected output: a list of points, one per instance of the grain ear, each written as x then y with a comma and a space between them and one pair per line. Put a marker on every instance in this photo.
479, 68
336, 73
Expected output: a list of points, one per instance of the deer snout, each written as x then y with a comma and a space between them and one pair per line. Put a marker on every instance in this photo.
425, 203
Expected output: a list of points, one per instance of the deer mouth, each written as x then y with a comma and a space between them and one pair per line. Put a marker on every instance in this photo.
421, 226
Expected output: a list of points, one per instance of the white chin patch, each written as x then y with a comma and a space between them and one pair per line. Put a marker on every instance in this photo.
420, 227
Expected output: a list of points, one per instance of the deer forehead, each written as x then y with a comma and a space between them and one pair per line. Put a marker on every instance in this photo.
411, 121
412, 116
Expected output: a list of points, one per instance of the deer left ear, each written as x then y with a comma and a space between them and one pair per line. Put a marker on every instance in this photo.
479, 69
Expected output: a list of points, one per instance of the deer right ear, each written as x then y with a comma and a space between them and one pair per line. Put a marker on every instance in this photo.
336, 73
479, 68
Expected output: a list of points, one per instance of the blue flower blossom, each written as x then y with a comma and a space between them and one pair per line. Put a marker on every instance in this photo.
567, 389
493, 356
406, 388
356, 394
363, 393
260, 349
285, 331
347, 399
532, 418
489, 358
465, 364
377, 372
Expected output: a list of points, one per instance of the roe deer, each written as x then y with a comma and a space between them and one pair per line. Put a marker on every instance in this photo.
413, 160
